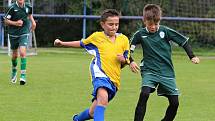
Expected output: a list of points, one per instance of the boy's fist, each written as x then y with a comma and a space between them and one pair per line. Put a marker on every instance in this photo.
57, 42
195, 60
19, 23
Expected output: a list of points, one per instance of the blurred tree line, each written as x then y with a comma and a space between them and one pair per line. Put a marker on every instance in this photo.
200, 33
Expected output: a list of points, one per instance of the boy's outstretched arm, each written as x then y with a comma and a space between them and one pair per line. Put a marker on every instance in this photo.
58, 42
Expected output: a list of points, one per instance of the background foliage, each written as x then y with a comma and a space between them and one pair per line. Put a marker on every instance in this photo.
201, 33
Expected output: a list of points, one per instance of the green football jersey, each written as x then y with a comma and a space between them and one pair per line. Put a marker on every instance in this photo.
157, 49
14, 13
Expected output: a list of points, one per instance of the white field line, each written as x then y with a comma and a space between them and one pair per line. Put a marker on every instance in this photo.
59, 51
207, 57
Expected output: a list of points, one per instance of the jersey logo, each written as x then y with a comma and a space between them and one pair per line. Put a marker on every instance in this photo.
15, 10
143, 36
162, 34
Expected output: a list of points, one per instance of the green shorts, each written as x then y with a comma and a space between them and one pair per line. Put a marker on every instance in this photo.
164, 85
17, 41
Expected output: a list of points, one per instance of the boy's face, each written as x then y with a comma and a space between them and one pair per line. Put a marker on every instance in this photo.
20, 1
111, 25
151, 26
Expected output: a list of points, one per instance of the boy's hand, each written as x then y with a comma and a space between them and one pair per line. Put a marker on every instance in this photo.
57, 42
134, 67
19, 23
121, 58
195, 60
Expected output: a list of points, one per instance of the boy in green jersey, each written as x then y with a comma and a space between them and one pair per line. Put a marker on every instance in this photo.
156, 67
18, 18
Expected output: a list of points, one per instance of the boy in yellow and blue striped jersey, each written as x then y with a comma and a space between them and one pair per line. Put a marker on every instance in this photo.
110, 50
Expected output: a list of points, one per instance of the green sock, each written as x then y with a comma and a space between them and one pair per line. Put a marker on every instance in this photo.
23, 67
14, 64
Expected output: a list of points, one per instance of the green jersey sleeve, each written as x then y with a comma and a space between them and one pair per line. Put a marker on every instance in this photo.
176, 37
135, 39
30, 11
9, 13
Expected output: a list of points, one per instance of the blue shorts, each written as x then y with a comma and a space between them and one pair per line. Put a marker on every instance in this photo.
106, 83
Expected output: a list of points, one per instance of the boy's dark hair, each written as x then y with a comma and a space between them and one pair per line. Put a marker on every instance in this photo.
152, 12
108, 13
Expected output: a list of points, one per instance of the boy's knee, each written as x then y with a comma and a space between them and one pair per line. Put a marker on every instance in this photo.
143, 98
103, 102
14, 55
22, 54
174, 104
102, 97
144, 95
145, 91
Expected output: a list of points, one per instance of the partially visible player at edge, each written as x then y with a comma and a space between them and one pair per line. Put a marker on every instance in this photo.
18, 18
110, 50
156, 67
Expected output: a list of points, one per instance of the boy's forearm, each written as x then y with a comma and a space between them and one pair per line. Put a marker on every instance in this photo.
9, 22
32, 20
188, 50
33, 23
71, 44
131, 59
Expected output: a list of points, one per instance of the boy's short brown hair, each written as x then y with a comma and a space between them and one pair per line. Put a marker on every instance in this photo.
108, 13
152, 12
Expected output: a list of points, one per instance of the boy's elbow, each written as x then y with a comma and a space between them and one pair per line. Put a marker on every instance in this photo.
34, 24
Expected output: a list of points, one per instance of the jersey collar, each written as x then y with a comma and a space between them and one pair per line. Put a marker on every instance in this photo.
148, 30
117, 34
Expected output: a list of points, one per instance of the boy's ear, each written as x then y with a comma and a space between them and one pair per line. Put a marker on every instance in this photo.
101, 23
144, 22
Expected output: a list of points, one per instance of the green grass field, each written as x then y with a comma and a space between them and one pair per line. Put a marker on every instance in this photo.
58, 86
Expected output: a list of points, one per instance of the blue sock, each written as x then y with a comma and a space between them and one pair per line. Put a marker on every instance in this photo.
99, 113
83, 116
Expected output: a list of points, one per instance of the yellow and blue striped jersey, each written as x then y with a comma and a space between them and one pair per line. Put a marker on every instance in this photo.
104, 51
